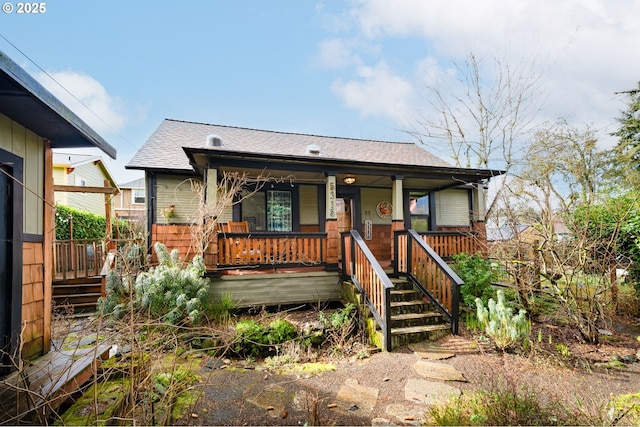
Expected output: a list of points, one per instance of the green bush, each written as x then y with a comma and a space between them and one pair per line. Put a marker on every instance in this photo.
281, 331
251, 338
477, 274
505, 406
502, 326
254, 339
86, 225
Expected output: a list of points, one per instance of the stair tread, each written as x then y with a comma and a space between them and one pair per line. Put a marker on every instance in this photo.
425, 328
81, 304
406, 316
408, 303
86, 294
404, 291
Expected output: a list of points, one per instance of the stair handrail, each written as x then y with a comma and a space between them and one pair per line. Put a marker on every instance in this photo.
363, 269
446, 300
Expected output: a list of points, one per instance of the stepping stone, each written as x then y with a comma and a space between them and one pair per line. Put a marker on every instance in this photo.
381, 422
406, 414
274, 400
353, 396
429, 392
438, 371
431, 351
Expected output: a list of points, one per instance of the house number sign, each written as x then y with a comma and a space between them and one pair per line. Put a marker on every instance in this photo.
332, 200
368, 230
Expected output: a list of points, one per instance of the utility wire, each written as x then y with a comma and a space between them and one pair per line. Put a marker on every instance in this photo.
58, 83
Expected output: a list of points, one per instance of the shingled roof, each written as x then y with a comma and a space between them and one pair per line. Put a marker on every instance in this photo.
164, 148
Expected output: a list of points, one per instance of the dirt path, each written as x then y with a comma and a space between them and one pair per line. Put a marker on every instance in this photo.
392, 388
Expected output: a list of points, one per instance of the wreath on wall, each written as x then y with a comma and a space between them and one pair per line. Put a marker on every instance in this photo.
384, 210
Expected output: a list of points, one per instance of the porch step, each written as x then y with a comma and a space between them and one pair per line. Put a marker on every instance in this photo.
412, 306
416, 319
413, 318
404, 294
407, 335
77, 297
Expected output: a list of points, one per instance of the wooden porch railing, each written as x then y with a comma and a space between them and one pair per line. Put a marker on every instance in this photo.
271, 249
428, 271
78, 258
361, 267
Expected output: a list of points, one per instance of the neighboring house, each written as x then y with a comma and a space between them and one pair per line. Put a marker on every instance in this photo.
525, 233
32, 123
82, 170
321, 185
131, 204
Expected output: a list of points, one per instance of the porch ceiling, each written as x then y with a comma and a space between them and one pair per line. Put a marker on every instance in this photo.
305, 170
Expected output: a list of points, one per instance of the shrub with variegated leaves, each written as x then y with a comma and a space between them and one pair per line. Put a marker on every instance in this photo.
501, 324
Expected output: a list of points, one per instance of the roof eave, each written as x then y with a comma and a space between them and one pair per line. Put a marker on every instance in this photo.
478, 174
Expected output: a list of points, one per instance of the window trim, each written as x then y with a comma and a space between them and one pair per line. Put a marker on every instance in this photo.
133, 196
295, 205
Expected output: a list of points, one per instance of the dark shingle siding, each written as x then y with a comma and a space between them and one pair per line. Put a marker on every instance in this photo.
163, 149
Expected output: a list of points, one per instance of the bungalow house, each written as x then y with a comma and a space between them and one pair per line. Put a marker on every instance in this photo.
130, 204
32, 123
82, 170
320, 196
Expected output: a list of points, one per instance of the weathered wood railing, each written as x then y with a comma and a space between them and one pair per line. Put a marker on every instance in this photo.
270, 249
429, 273
361, 267
78, 258
448, 243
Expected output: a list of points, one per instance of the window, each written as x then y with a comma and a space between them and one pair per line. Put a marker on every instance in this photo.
79, 181
419, 208
253, 211
268, 211
138, 195
279, 210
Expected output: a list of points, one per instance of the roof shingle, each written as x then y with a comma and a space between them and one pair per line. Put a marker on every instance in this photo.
163, 149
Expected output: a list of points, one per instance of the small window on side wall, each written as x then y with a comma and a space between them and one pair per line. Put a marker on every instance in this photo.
138, 195
419, 209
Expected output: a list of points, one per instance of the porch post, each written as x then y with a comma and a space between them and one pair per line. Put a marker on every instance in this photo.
211, 199
331, 221
397, 214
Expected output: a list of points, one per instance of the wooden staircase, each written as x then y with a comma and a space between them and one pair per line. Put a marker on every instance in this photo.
77, 296
413, 318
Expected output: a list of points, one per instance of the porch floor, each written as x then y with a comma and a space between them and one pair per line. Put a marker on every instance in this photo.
387, 265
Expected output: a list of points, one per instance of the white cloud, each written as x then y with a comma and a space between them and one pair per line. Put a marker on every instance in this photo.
377, 92
583, 49
87, 98
337, 53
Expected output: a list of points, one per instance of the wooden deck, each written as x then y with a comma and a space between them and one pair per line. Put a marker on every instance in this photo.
31, 397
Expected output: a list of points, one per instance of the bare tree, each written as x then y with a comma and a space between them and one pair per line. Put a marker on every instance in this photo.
232, 188
560, 176
483, 118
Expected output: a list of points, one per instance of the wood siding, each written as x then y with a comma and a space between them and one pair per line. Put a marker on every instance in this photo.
125, 208
277, 288
20, 141
93, 175
177, 191
34, 308
370, 199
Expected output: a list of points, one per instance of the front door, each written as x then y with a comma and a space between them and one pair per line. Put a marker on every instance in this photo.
11, 170
343, 212
6, 263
